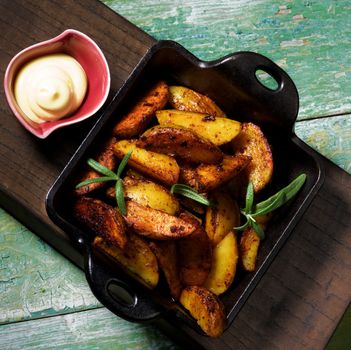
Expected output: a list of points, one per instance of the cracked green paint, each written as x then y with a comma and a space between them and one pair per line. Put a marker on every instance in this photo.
35, 280
309, 39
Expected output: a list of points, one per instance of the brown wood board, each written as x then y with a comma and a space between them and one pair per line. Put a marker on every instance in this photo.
301, 298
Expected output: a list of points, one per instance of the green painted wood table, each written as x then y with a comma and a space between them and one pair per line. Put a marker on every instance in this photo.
45, 301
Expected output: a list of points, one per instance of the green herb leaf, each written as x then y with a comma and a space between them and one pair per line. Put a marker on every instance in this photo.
278, 202
96, 179
274, 202
123, 163
101, 169
120, 197
242, 227
288, 193
258, 229
249, 198
191, 193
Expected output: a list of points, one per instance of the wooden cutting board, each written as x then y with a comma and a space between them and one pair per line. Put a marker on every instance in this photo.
307, 288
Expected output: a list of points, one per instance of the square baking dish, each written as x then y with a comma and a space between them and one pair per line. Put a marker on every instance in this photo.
232, 82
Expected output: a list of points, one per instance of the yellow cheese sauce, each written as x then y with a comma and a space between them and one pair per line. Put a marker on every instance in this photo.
50, 87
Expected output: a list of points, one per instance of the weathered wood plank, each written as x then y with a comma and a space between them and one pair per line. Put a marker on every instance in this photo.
309, 39
35, 280
94, 329
330, 137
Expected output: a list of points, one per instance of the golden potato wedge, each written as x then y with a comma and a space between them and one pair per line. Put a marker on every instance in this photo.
215, 129
149, 194
224, 263
248, 247
185, 99
156, 224
102, 219
157, 166
139, 117
206, 308
252, 142
207, 177
195, 254
180, 142
221, 218
105, 157
166, 254
136, 259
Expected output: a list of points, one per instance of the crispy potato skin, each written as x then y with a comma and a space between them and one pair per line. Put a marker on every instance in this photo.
136, 258
221, 219
102, 219
207, 177
104, 157
180, 142
249, 244
155, 165
166, 254
149, 194
224, 263
215, 129
206, 308
139, 117
185, 99
156, 224
252, 142
195, 254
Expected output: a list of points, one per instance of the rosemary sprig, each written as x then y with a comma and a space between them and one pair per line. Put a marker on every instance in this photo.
251, 211
110, 176
191, 193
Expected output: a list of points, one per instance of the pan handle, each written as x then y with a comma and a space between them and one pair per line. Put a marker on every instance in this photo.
123, 299
279, 106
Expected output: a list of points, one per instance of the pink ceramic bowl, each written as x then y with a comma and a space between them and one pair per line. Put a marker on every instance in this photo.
91, 58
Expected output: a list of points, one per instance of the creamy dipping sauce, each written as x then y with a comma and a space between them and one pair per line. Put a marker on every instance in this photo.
50, 87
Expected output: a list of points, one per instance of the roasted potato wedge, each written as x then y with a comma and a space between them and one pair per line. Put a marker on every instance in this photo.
195, 254
215, 129
224, 263
156, 224
207, 177
136, 258
139, 117
248, 247
185, 99
206, 308
149, 194
252, 142
180, 142
157, 166
104, 157
221, 218
166, 254
102, 219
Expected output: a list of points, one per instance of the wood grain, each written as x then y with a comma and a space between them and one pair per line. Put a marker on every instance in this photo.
331, 137
306, 289
309, 39
96, 329
35, 280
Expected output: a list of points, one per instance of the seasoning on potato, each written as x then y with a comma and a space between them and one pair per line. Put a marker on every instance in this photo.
185, 99
195, 144
215, 129
141, 114
102, 219
136, 258
252, 142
